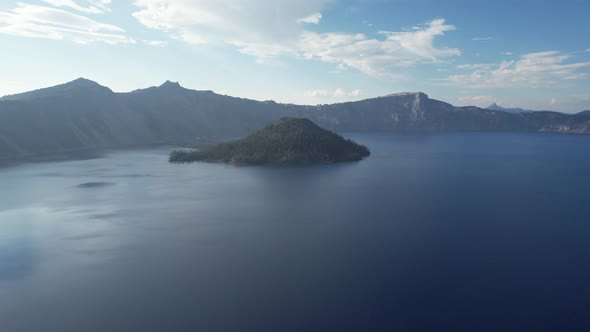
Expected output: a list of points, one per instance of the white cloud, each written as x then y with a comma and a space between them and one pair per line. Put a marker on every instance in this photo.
156, 42
338, 93
47, 15
45, 22
263, 52
311, 19
475, 66
553, 101
482, 38
507, 53
378, 57
533, 70
420, 41
317, 93
206, 21
355, 93
94, 7
587, 50
268, 31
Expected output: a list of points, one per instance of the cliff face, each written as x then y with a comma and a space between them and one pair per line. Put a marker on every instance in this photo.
405, 111
82, 114
417, 112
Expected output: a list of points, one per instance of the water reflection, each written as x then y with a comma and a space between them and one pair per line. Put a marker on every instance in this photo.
18, 254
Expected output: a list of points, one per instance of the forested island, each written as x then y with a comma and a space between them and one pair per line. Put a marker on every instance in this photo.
288, 140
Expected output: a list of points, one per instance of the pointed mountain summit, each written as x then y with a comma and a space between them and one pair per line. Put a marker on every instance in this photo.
166, 89
496, 107
83, 82
78, 88
171, 85
288, 140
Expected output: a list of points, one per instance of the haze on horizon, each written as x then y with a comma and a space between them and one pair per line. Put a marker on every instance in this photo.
529, 54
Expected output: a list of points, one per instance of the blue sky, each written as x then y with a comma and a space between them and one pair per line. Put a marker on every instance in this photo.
530, 54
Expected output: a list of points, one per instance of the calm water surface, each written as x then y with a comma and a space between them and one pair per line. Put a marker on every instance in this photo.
450, 232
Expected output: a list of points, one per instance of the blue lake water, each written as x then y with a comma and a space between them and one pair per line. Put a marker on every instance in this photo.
442, 232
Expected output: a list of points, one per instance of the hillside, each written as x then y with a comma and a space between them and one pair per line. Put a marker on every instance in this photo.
288, 140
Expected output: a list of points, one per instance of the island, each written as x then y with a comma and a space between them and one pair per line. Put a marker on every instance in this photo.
286, 141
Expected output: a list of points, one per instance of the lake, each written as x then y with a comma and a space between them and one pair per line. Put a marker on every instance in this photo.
432, 232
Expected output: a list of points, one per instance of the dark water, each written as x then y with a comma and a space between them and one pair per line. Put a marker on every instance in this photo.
453, 232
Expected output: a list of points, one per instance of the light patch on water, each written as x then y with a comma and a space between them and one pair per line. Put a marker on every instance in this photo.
92, 185
45, 241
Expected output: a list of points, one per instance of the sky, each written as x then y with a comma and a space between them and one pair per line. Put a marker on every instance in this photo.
528, 54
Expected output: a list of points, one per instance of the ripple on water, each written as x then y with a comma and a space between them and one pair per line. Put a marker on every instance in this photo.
94, 185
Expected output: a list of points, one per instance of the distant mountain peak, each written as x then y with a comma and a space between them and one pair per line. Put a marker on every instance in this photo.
496, 107
81, 81
170, 84
78, 87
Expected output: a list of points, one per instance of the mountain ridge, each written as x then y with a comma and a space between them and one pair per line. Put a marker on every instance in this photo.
68, 89
86, 115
